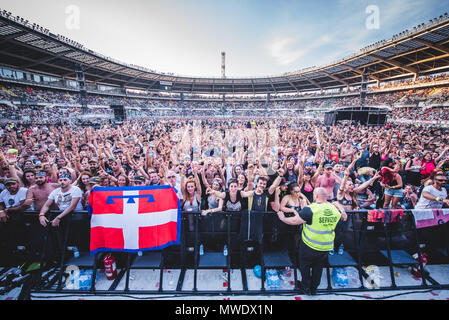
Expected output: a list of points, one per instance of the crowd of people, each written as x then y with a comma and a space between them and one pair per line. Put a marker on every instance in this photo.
218, 155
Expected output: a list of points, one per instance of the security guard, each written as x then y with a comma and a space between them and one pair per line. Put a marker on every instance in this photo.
319, 219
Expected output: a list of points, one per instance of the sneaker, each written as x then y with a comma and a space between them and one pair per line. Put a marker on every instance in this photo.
332, 252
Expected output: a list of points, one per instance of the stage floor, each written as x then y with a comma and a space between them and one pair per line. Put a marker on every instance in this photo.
216, 280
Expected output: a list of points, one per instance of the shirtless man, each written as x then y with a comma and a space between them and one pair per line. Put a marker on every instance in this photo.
38, 193
327, 181
346, 153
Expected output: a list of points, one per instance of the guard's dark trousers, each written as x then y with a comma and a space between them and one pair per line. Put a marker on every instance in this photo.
311, 264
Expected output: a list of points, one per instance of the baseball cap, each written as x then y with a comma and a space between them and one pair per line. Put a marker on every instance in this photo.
93, 160
139, 178
308, 163
327, 166
94, 180
11, 180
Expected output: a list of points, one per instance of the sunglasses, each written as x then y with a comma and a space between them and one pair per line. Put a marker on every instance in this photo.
441, 180
171, 177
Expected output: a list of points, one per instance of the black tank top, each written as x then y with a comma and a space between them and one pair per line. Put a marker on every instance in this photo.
308, 194
345, 202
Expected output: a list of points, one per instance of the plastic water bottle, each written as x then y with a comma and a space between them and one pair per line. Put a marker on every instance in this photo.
76, 252
341, 249
273, 281
225, 250
201, 249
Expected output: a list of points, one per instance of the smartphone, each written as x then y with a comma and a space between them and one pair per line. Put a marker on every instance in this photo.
289, 214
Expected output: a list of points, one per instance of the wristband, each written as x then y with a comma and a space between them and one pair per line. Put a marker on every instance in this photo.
41, 214
11, 166
438, 199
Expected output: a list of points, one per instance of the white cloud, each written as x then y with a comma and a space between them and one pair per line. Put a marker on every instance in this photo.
281, 48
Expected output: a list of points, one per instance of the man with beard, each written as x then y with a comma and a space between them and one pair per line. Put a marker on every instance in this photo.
12, 200
94, 167
67, 197
12, 203
38, 193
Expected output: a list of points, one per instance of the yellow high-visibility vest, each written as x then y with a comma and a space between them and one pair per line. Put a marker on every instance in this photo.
320, 234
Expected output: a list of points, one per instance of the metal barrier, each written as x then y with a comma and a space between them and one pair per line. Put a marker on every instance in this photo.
391, 240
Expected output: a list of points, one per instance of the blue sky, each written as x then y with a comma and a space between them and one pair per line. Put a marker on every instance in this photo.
260, 38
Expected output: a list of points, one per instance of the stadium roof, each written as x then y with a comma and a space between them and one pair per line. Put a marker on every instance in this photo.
421, 51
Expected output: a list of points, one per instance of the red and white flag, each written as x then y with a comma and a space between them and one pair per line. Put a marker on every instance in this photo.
132, 219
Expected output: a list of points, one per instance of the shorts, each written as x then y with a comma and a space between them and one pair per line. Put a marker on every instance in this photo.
394, 192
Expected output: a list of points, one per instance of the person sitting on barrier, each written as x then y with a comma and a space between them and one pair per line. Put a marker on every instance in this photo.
434, 196
293, 201
38, 194
392, 182
320, 219
66, 197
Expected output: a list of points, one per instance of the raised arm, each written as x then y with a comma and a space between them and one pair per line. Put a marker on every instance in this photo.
277, 181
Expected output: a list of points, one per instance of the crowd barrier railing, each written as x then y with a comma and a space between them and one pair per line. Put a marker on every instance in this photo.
387, 242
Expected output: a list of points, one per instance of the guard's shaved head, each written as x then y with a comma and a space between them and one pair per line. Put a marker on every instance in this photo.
320, 194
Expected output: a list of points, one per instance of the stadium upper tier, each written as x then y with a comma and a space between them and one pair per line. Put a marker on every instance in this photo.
422, 50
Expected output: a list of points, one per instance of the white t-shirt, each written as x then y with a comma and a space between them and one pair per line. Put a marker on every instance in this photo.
424, 203
64, 199
13, 200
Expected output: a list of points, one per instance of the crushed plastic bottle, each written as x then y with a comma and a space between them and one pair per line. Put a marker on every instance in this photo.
273, 280
340, 277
